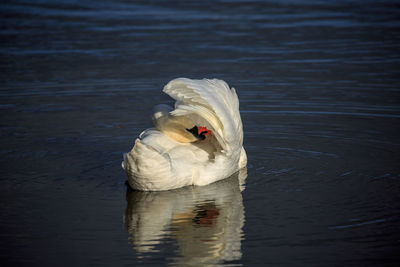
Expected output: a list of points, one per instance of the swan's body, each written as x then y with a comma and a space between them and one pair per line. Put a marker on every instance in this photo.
174, 154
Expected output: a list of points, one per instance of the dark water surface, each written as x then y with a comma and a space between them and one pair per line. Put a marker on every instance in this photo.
319, 86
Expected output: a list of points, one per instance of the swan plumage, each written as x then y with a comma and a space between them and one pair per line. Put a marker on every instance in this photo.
171, 155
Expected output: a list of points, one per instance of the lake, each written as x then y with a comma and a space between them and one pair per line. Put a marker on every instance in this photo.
319, 90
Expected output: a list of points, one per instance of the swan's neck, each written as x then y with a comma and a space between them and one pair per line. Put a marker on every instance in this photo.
174, 126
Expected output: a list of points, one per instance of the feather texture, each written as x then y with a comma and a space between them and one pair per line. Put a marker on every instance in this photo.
165, 158
215, 102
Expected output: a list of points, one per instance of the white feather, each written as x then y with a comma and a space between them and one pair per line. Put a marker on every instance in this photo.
161, 161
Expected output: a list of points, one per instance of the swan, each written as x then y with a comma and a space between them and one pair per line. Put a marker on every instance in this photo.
198, 142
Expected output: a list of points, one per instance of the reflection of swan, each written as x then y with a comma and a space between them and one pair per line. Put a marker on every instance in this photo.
206, 221
197, 143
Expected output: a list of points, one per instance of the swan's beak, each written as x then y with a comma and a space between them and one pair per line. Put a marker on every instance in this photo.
199, 132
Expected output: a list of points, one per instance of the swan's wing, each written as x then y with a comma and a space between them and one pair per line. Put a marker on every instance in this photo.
213, 101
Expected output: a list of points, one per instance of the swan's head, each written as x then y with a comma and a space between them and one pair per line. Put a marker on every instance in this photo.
180, 128
199, 132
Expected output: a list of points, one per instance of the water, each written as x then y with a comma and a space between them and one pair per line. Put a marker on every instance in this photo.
319, 86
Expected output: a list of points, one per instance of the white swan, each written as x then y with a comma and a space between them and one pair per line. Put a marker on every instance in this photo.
197, 143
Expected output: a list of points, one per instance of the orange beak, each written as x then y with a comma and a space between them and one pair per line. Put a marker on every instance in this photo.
199, 132
203, 131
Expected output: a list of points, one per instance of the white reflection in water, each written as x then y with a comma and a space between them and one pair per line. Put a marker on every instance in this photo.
205, 221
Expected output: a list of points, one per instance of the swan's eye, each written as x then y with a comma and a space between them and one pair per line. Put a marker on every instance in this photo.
194, 131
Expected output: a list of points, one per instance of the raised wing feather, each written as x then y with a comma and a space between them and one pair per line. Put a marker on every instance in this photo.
215, 102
